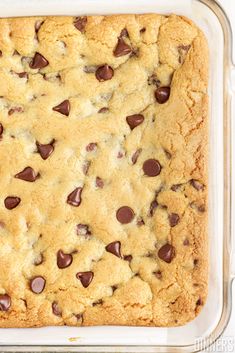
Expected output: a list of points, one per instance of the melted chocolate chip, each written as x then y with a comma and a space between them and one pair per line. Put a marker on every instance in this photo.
175, 187
166, 253
158, 274
199, 302
201, 208
74, 198
91, 147
103, 110
174, 219
104, 73
153, 207
162, 94
5, 302
183, 50
128, 258
55, 309
151, 167
63, 108
134, 120
80, 23
85, 278
135, 156
99, 183
196, 184
83, 229
1, 129
124, 33
114, 248
64, 260
11, 202
195, 262
122, 48
22, 75
38, 62
37, 284
15, 110
186, 242
45, 150
125, 214
27, 174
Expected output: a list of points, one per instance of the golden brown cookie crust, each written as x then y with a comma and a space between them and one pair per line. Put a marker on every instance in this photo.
60, 118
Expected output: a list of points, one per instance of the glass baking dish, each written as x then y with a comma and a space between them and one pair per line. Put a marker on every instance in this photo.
209, 325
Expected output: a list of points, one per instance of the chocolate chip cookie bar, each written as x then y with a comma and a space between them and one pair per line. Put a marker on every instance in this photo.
103, 170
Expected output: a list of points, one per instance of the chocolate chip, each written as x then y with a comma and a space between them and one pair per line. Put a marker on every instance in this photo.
22, 75
125, 214
166, 253
134, 120
201, 208
45, 150
143, 30
103, 110
83, 229
74, 198
175, 187
27, 174
162, 94
38, 62
135, 155
63, 108
15, 110
91, 147
85, 278
104, 73
11, 202
98, 302
128, 258
153, 207
80, 23
124, 33
38, 25
64, 260
140, 222
174, 219
91, 69
199, 302
151, 167
55, 309
158, 274
79, 317
5, 302
196, 184
114, 248
186, 242
37, 284
1, 129
183, 50
99, 183
120, 154
122, 48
